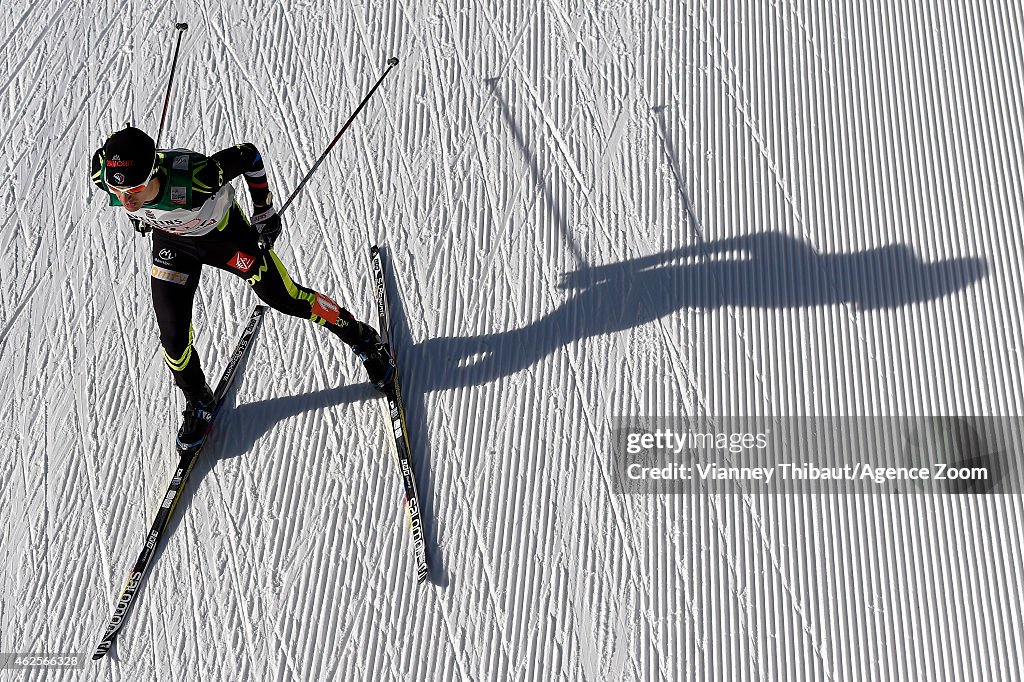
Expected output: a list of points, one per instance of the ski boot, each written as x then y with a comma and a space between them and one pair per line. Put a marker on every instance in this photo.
376, 357
197, 419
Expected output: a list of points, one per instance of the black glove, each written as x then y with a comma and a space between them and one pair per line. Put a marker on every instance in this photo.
268, 226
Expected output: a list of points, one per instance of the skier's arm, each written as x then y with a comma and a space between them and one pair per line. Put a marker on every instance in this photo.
244, 159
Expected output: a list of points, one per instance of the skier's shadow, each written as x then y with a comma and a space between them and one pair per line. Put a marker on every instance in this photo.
764, 270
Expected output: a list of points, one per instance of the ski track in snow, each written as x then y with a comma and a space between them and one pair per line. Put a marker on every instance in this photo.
589, 210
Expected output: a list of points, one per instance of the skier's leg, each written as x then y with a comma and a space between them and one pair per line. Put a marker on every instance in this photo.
269, 279
174, 280
272, 284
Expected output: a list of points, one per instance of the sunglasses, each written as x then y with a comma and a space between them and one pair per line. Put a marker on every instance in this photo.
137, 189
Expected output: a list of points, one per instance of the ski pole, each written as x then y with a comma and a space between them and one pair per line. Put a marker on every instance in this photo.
392, 63
181, 28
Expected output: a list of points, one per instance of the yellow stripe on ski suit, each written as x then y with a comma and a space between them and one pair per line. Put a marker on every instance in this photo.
180, 363
289, 285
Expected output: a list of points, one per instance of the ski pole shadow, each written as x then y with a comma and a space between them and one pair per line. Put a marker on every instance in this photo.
693, 222
554, 209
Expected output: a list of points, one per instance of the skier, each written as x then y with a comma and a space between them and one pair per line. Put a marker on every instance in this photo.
186, 199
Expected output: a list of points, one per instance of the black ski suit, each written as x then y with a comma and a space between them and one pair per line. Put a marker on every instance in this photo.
196, 221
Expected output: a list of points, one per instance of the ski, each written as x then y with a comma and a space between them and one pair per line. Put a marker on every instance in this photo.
394, 422
170, 500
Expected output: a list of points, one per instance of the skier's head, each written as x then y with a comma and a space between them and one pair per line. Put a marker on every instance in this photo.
130, 157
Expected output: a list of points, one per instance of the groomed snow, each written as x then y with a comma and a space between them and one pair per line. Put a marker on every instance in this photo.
592, 209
